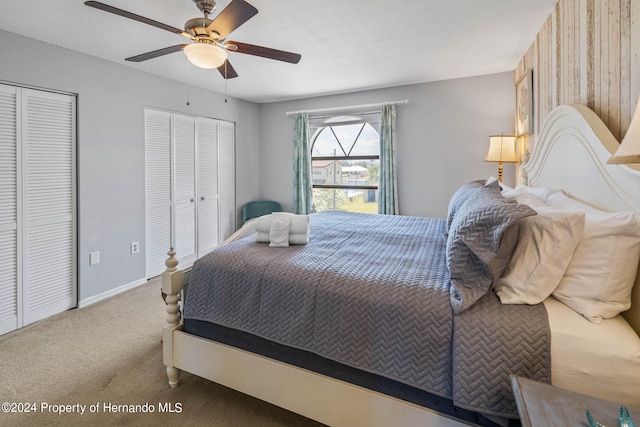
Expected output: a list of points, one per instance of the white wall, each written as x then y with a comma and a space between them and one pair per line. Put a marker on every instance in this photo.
111, 101
442, 138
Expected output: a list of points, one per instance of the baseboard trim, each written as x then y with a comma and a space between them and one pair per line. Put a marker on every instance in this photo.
96, 298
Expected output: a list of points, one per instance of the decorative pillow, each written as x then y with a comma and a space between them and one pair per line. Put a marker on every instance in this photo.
503, 186
546, 243
279, 233
473, 242
601, 274
506, 246
460, 196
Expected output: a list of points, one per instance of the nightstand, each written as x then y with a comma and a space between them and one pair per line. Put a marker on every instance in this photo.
543, 405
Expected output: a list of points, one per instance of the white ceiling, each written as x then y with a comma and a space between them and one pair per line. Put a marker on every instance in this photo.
346, 45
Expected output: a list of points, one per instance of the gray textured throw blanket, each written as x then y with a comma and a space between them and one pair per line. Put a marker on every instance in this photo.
372, 292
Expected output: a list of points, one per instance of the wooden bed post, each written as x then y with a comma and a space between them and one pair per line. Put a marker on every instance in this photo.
172, 280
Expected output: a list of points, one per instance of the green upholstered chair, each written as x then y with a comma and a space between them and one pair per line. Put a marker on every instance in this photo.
258, 208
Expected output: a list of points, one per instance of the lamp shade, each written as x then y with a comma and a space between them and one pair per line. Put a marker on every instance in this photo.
205, 55
502, 148
629, 150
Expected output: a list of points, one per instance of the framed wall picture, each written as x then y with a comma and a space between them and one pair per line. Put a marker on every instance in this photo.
524, 104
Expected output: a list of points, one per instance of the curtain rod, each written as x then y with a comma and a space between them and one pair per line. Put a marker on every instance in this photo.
349, 107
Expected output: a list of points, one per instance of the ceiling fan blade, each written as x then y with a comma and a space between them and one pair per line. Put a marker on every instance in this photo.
156, 53
265, 52
135, 17
237, 13
227, 71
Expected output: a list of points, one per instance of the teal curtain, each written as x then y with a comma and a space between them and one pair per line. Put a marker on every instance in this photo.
388, 186
302, 195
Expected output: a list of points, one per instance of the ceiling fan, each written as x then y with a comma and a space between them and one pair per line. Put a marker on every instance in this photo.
209, 45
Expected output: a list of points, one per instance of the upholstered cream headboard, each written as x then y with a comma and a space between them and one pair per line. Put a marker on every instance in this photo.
571, 154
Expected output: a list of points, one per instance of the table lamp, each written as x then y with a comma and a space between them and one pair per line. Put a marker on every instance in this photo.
502, 149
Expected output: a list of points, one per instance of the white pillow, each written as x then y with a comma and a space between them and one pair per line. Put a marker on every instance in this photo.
599, 279
542, 193
546, 243
279, 233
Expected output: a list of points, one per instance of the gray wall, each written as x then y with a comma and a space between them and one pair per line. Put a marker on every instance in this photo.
442, 138
111, 101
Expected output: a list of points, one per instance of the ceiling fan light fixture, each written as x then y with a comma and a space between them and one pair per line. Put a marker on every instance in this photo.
205, 55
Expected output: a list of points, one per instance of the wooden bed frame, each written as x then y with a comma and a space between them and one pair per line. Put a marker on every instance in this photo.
571, 154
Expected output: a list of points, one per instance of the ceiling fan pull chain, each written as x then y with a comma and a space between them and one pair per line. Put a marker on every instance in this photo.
188, 82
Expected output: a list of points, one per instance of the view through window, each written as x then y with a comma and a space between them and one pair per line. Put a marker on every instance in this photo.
345, 158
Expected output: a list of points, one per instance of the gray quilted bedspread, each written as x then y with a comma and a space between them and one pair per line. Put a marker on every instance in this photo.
372, 292
493, 341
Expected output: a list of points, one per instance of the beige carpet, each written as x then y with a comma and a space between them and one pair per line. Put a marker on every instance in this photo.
108, 354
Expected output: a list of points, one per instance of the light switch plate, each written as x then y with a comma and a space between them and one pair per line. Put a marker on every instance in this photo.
94, 258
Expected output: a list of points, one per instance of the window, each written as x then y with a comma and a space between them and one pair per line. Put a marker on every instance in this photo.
345, 158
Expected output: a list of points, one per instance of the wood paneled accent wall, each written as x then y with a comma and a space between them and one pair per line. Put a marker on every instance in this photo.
587, 52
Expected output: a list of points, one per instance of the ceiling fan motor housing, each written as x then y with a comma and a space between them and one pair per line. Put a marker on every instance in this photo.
197, 26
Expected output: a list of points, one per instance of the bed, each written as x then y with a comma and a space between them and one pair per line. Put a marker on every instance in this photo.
390, 377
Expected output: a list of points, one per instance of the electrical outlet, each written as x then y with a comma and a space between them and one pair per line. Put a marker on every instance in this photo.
94, 258
135, 247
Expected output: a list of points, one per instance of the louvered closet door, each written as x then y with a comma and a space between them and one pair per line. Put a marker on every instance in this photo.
208, 200
189, 182
9, 268
48, 181
227, 179
157, 189
184, 201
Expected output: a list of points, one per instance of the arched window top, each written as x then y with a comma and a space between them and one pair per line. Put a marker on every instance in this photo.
346, 140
